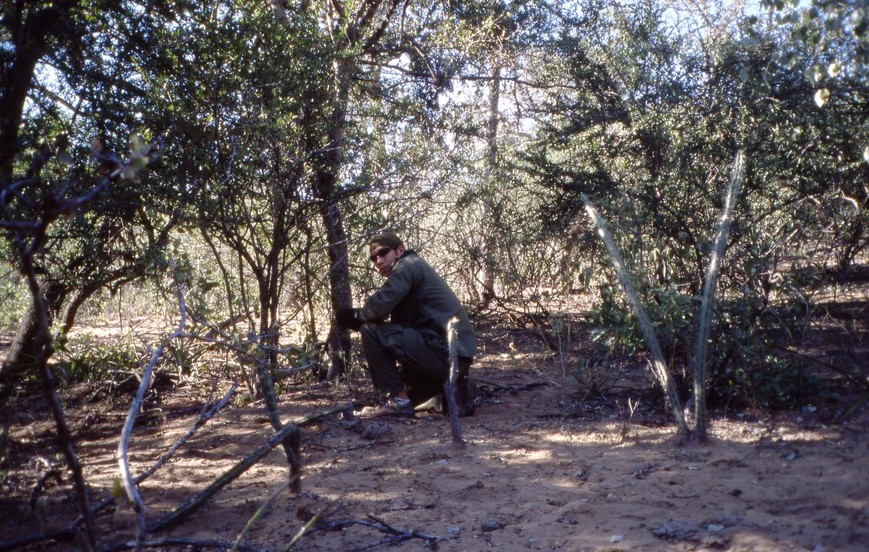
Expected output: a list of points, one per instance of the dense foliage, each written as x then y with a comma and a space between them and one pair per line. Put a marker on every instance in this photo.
246, 151
222, 163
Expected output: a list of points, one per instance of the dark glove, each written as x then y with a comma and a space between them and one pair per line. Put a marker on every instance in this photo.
348, 318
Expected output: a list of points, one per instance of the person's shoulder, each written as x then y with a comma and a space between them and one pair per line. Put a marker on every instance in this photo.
411, 258
411, 262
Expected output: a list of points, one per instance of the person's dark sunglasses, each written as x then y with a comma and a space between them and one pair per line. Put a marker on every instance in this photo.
380, 253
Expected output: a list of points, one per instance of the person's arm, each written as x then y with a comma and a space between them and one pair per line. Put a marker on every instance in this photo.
394, 289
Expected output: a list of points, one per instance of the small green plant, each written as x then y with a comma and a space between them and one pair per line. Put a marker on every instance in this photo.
95, 361
613, 324
14, 298
590, 377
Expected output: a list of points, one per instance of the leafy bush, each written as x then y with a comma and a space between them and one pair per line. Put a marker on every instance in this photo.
14, 299
672, 313
745, 366
612, 322
748, 365
773, 382
96, 362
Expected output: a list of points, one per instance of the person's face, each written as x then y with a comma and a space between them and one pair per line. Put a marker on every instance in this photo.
384, 256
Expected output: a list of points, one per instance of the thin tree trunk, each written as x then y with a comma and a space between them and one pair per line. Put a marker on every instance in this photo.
339, 286
265, 360
41, 355
29, 341
490, 203
659, 365
325, 184
17, 74
708, 298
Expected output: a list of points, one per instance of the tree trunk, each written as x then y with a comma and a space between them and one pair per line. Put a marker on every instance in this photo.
16, 77
491, 203
325, 183
339, 286
29, 340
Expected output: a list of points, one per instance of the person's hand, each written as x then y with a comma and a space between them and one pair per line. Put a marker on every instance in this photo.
348, 318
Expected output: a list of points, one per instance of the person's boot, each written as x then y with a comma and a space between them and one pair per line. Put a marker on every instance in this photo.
436, 403
392, 407
426, 396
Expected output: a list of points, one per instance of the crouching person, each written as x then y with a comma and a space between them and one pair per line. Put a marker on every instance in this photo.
403, 328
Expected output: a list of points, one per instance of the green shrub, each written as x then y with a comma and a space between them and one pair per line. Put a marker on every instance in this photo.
671, 312
612, 322
14, 299
95, 362
773, 382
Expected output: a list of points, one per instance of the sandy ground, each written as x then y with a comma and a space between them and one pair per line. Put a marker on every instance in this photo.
543, 469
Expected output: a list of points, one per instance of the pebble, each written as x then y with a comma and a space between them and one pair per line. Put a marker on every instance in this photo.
677, 529
490, 525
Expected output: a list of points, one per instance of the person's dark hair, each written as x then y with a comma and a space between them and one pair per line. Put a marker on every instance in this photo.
388, 239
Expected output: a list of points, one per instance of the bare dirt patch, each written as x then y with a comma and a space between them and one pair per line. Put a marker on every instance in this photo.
544, 469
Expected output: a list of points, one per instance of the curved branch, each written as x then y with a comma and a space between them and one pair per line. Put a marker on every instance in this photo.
123, 446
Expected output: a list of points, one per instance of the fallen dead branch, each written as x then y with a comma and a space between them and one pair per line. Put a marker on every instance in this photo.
345, 409
196, 502
207, 412
192, 544
396, 535
513, 388
199, 500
